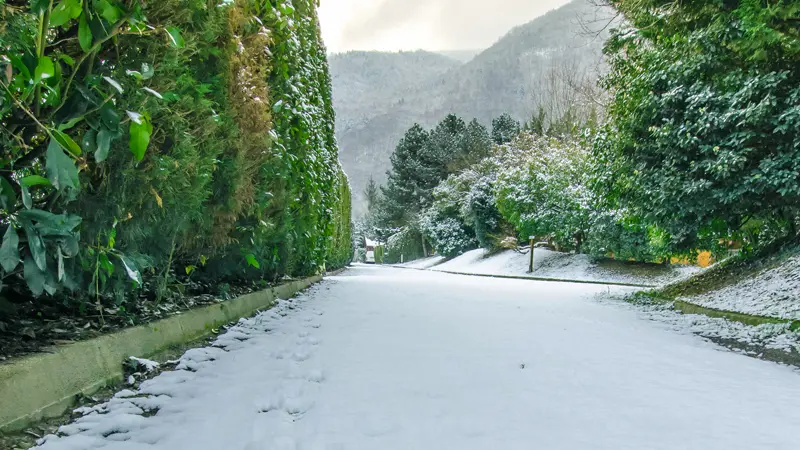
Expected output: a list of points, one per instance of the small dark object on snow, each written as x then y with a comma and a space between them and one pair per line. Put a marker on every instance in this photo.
522, 366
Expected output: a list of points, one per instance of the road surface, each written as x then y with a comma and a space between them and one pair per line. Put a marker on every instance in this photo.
383, 359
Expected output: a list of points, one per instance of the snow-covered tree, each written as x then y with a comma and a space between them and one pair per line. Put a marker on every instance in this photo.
504, 129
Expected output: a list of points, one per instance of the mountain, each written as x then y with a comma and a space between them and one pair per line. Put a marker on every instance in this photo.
378, 96
368, 83
463, 56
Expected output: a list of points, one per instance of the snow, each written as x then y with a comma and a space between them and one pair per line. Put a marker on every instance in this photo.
778, 336
390, 359
424, 263
774, 292
149, 365
564, 266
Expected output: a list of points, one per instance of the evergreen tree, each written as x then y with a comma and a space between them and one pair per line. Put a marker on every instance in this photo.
408, 188
444, 148
504, 129
476, 144
371, 193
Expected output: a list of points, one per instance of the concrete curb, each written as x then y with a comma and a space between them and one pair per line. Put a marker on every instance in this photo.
515, 277
46, 385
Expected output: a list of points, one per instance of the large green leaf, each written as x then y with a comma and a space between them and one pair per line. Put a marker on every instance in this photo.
36, 245
105, 263
110, 117
252, 261
70, 246
9, 251
89, 141
175, 37
51, 225
64, 11
61, 170
103, 145
39, 6
140, 135
34, 276
26, 197
66, 142
8, 198
84, 34
109, 11
44, 69
35, 180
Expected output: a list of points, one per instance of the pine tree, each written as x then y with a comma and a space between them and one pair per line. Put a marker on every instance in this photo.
371, 193
408, 189
476, 144
504, 129
444, 148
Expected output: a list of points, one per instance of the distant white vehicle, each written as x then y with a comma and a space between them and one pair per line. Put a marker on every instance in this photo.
370, 245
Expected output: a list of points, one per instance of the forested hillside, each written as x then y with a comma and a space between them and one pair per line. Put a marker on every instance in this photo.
153, 149
513, 76
369, 83
698, 149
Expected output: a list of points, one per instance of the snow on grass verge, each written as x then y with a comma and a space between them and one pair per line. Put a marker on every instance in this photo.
773, 292
768, 336
424, 263
124, 421
550, 264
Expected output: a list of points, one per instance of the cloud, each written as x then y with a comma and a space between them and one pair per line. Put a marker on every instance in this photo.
433, 24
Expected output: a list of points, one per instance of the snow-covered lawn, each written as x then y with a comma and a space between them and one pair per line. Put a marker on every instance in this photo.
550, 264
774, 292
424, 263
388, 359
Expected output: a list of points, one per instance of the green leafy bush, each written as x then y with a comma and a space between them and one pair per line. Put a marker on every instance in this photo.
704, 140
140, 137
546, 195
406, 245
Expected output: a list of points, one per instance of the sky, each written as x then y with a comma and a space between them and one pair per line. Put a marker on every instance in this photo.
392, 25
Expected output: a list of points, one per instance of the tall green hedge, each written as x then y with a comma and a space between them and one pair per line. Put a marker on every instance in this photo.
340, 250
143, 139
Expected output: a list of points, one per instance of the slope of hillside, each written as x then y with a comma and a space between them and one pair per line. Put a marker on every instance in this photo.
367, 83
463, 56
507, 77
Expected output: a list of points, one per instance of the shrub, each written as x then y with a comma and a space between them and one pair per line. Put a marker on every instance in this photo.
206, 141
407, 244
704, 136
546, 195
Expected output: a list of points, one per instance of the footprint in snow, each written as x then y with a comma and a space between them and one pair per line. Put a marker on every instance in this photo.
301, 355
308, 340
315, 376
298, 406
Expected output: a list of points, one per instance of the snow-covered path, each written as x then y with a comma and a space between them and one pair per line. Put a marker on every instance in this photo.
384, 359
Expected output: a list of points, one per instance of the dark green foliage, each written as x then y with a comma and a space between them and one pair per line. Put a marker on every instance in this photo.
704, 138
484, 215
371, 193
420, 162
206, 142
504, 129
340, 250
409, 187
406, 245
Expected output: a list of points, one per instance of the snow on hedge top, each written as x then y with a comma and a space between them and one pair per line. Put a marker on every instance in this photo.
774, 293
